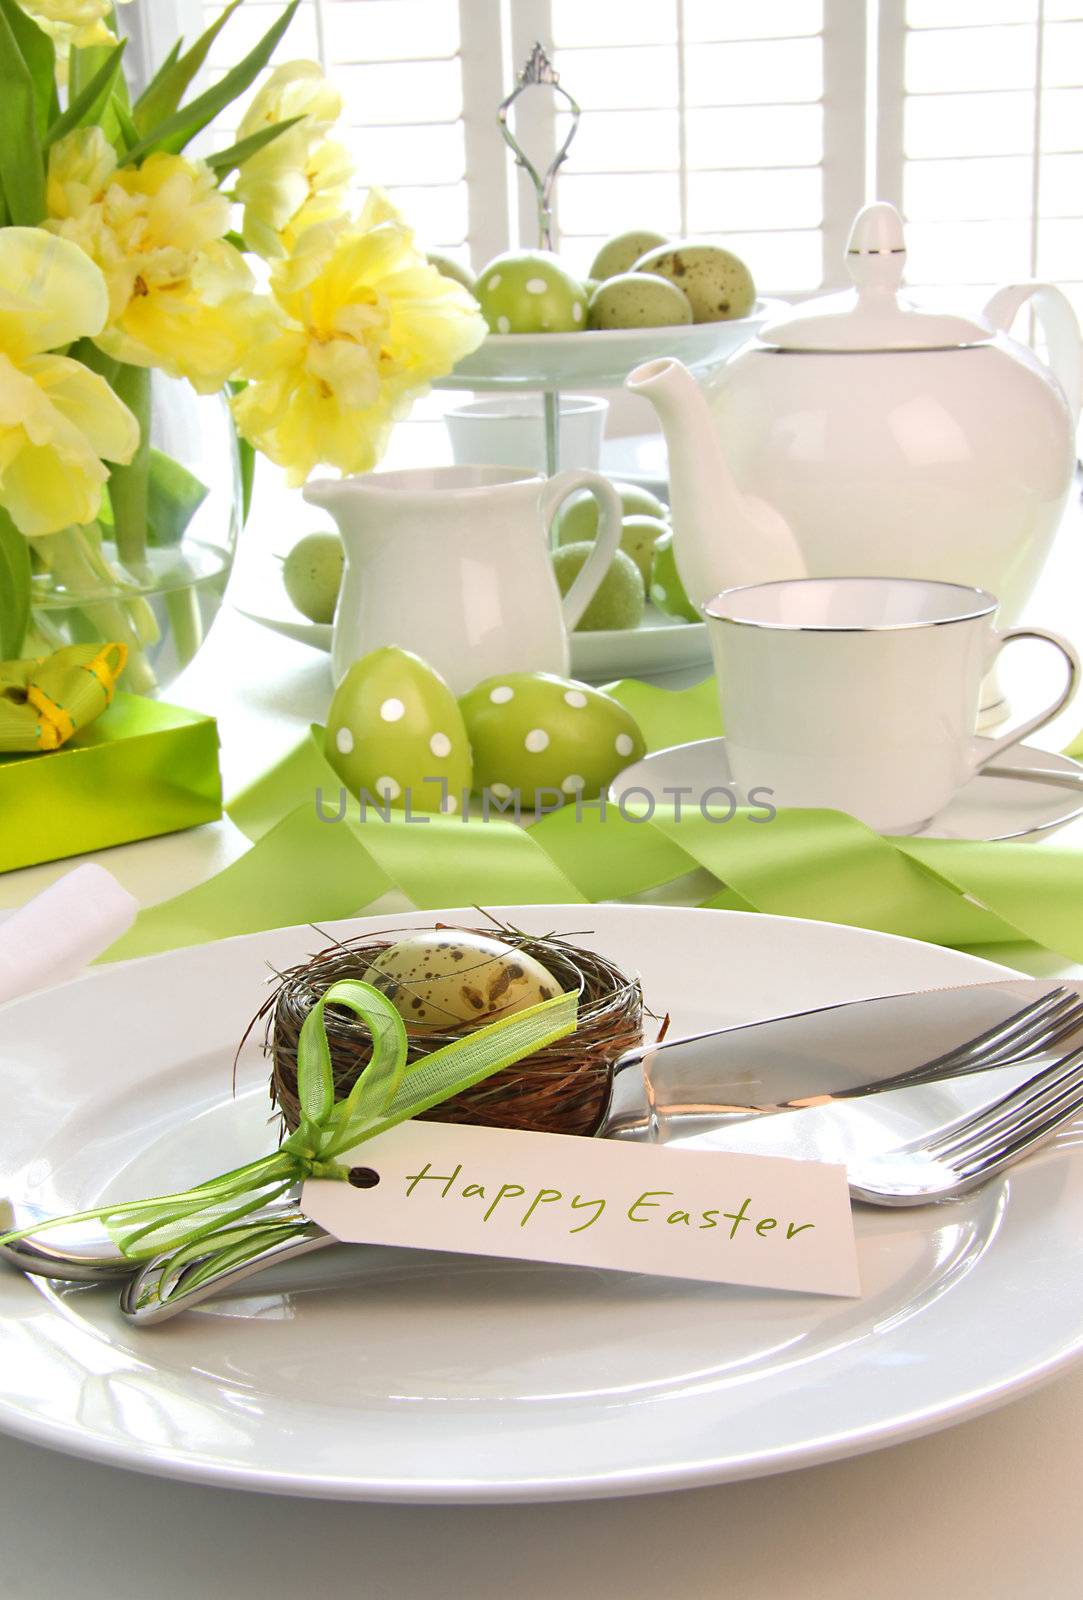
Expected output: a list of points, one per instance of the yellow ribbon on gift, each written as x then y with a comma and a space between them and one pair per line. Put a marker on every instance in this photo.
43, 702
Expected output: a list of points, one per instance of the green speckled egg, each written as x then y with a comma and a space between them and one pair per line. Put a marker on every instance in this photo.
620, 598
638, 300
312, 575
718, 284
621, 253
394, 730
638, 537
578, 519
444, 978
547, 739
529, 291
665, 588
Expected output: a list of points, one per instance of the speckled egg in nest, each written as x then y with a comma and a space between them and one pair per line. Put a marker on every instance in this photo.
562, 1088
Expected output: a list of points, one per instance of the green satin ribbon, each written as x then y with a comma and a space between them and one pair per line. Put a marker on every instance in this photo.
813, 864
43, 702
220, 1220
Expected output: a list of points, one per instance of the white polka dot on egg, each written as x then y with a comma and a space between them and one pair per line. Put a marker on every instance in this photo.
624, 744
494, 281
536, 286
501, 790
658, 594
392, 710
387, 788
573, 783
344, 741
501, 694
440, 745
448, 804
576, 698
536, 741
503, 324
577, 312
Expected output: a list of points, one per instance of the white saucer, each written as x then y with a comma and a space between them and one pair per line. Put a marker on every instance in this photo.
658, 645
990, 806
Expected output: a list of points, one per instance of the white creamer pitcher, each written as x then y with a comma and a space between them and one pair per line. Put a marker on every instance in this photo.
453, 564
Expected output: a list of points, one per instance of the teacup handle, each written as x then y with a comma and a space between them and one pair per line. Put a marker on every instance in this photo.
597, 564
1004, 636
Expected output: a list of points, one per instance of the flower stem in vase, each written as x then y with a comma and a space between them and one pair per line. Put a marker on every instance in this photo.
83, 571
128, 485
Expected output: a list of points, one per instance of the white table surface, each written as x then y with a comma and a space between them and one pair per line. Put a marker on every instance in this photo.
989, 1508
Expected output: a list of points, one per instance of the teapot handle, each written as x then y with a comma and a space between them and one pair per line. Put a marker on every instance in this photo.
1057, 318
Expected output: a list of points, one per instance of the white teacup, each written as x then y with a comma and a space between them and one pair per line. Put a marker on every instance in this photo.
862, 694
509, 431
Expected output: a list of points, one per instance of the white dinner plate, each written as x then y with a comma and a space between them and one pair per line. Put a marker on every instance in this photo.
660, 644
385, 1374
598, 358
1038, 792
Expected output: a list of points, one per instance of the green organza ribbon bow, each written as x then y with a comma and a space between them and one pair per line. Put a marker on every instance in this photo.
221, 1218
42, 703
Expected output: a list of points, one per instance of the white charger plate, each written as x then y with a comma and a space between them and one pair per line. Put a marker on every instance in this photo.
658, 645
401, 1376
601, 357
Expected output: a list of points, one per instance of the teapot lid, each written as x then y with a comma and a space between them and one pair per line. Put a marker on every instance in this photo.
872, 315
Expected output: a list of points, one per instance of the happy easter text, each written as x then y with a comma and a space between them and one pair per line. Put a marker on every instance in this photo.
576, 1213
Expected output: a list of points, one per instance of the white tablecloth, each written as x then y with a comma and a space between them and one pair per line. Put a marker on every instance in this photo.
990, 1508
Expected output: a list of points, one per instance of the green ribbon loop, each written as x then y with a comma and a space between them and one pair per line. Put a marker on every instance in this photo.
220, 1217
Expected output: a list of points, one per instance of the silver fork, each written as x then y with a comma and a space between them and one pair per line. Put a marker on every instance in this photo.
973, 1148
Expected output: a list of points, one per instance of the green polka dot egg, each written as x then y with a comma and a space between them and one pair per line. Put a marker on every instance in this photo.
395, 733
547, 739
528, 291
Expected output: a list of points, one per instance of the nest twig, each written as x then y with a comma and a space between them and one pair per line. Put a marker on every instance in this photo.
562, 1088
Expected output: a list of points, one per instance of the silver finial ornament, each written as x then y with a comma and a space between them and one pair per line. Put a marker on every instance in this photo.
538, 71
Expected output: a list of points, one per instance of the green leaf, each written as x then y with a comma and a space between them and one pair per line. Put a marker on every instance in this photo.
174, 495
224, 161
14, 588
163, 93
87, 106
83, 65
246, 457
174, 133
129, 484
127, 132
22, 170
37, 51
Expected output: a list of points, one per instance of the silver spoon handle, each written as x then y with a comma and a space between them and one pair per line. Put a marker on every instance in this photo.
161, 1289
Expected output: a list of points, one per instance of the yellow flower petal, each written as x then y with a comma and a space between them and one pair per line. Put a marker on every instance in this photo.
49, 475
89, 404
50, 292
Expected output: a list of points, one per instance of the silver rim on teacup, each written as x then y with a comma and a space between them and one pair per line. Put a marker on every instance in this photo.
716, 609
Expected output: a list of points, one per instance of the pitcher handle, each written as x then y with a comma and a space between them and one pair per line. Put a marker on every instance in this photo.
597, 564
1054, 311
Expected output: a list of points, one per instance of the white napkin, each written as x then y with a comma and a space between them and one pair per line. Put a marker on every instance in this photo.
53, 936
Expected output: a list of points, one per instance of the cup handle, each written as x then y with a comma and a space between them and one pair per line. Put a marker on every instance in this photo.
597, 564
1004, 636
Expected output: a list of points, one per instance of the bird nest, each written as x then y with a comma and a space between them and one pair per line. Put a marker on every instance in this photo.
563, 1088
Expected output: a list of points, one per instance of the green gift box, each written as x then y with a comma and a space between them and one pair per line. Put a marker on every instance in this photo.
141, 769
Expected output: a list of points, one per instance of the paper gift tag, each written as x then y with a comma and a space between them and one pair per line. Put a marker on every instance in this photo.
725, 1218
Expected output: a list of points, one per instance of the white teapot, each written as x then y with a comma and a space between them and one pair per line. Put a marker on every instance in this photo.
864, 436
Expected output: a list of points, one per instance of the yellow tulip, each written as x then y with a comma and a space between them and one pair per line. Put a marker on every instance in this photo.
300, 178
57, 418
364, 326
73, 22
180, 297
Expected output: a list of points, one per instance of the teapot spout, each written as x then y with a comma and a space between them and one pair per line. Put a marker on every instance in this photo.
721, 537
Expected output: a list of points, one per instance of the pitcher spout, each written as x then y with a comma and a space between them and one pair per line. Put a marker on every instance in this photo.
721, 537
